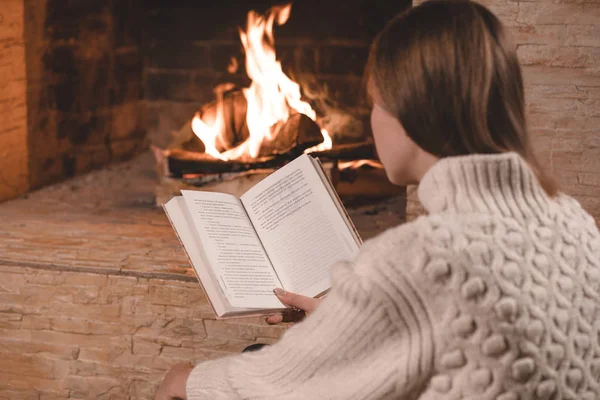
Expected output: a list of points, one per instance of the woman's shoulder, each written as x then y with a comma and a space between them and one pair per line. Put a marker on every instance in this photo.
568, 207
409, 248
408, 244
439, 228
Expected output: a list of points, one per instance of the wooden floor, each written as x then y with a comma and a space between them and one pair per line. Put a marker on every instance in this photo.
96, 295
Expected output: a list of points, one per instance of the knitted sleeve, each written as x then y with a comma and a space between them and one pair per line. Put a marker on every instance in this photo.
354, 345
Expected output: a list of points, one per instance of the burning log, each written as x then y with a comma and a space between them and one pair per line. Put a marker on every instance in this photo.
227, 119
246, 134
348, 151
267, 119
182, 162
297, 134
232, 129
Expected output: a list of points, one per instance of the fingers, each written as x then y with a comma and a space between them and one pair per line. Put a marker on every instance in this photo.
302, 305
293, 315
308, 304
274, 319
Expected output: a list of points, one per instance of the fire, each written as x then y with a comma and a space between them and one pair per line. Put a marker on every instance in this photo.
271, 98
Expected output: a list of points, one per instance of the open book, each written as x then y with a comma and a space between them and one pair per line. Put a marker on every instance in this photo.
287, 231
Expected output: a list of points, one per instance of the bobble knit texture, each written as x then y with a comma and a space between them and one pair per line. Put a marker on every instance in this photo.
493, 295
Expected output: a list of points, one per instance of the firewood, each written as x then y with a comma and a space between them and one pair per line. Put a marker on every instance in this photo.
234, 129
297, 130
296, 135
348, 151
181, 162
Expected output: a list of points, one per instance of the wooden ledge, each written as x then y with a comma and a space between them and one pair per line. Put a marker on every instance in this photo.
107, 223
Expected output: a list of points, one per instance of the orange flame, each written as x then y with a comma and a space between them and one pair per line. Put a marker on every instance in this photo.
271, 97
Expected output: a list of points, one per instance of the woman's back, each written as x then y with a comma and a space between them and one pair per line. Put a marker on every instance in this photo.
506, 284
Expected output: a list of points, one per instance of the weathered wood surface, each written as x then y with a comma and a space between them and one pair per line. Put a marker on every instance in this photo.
107, 222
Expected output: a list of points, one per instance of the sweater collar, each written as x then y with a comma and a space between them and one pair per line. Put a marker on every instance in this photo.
495, 183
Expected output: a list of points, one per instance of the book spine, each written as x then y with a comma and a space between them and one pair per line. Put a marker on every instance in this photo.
341, 204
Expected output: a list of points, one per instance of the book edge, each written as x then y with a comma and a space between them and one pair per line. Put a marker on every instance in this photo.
336, 199
228, 313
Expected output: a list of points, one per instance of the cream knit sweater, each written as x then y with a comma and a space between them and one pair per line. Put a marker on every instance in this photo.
493, 295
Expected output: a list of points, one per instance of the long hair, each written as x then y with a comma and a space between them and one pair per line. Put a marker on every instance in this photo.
448, 72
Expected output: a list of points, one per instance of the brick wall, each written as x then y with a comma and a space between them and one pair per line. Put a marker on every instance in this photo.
558, 43
14, 177
87, 336
84, 81
189, 47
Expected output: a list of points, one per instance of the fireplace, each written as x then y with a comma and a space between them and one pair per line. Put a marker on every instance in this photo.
272, 82
322, 46
104, 80
100, 298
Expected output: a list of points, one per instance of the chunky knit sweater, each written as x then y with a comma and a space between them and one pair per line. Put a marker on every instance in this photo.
493, 295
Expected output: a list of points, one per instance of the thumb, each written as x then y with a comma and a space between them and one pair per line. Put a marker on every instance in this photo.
307, 304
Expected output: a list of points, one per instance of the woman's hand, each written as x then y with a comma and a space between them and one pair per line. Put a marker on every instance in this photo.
302, 306
173, 384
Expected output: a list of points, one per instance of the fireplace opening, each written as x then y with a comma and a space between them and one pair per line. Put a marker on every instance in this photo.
107, 79
275, 80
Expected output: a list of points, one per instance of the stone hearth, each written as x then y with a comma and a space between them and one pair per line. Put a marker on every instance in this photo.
97, 298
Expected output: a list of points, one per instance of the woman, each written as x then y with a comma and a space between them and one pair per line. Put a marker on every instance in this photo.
493, 295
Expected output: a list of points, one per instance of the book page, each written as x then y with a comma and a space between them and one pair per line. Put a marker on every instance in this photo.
233, 249
178, 215
300, 226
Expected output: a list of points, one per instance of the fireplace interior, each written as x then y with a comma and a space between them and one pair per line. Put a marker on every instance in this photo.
312, 70
242, 71
107, 79
322, 46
